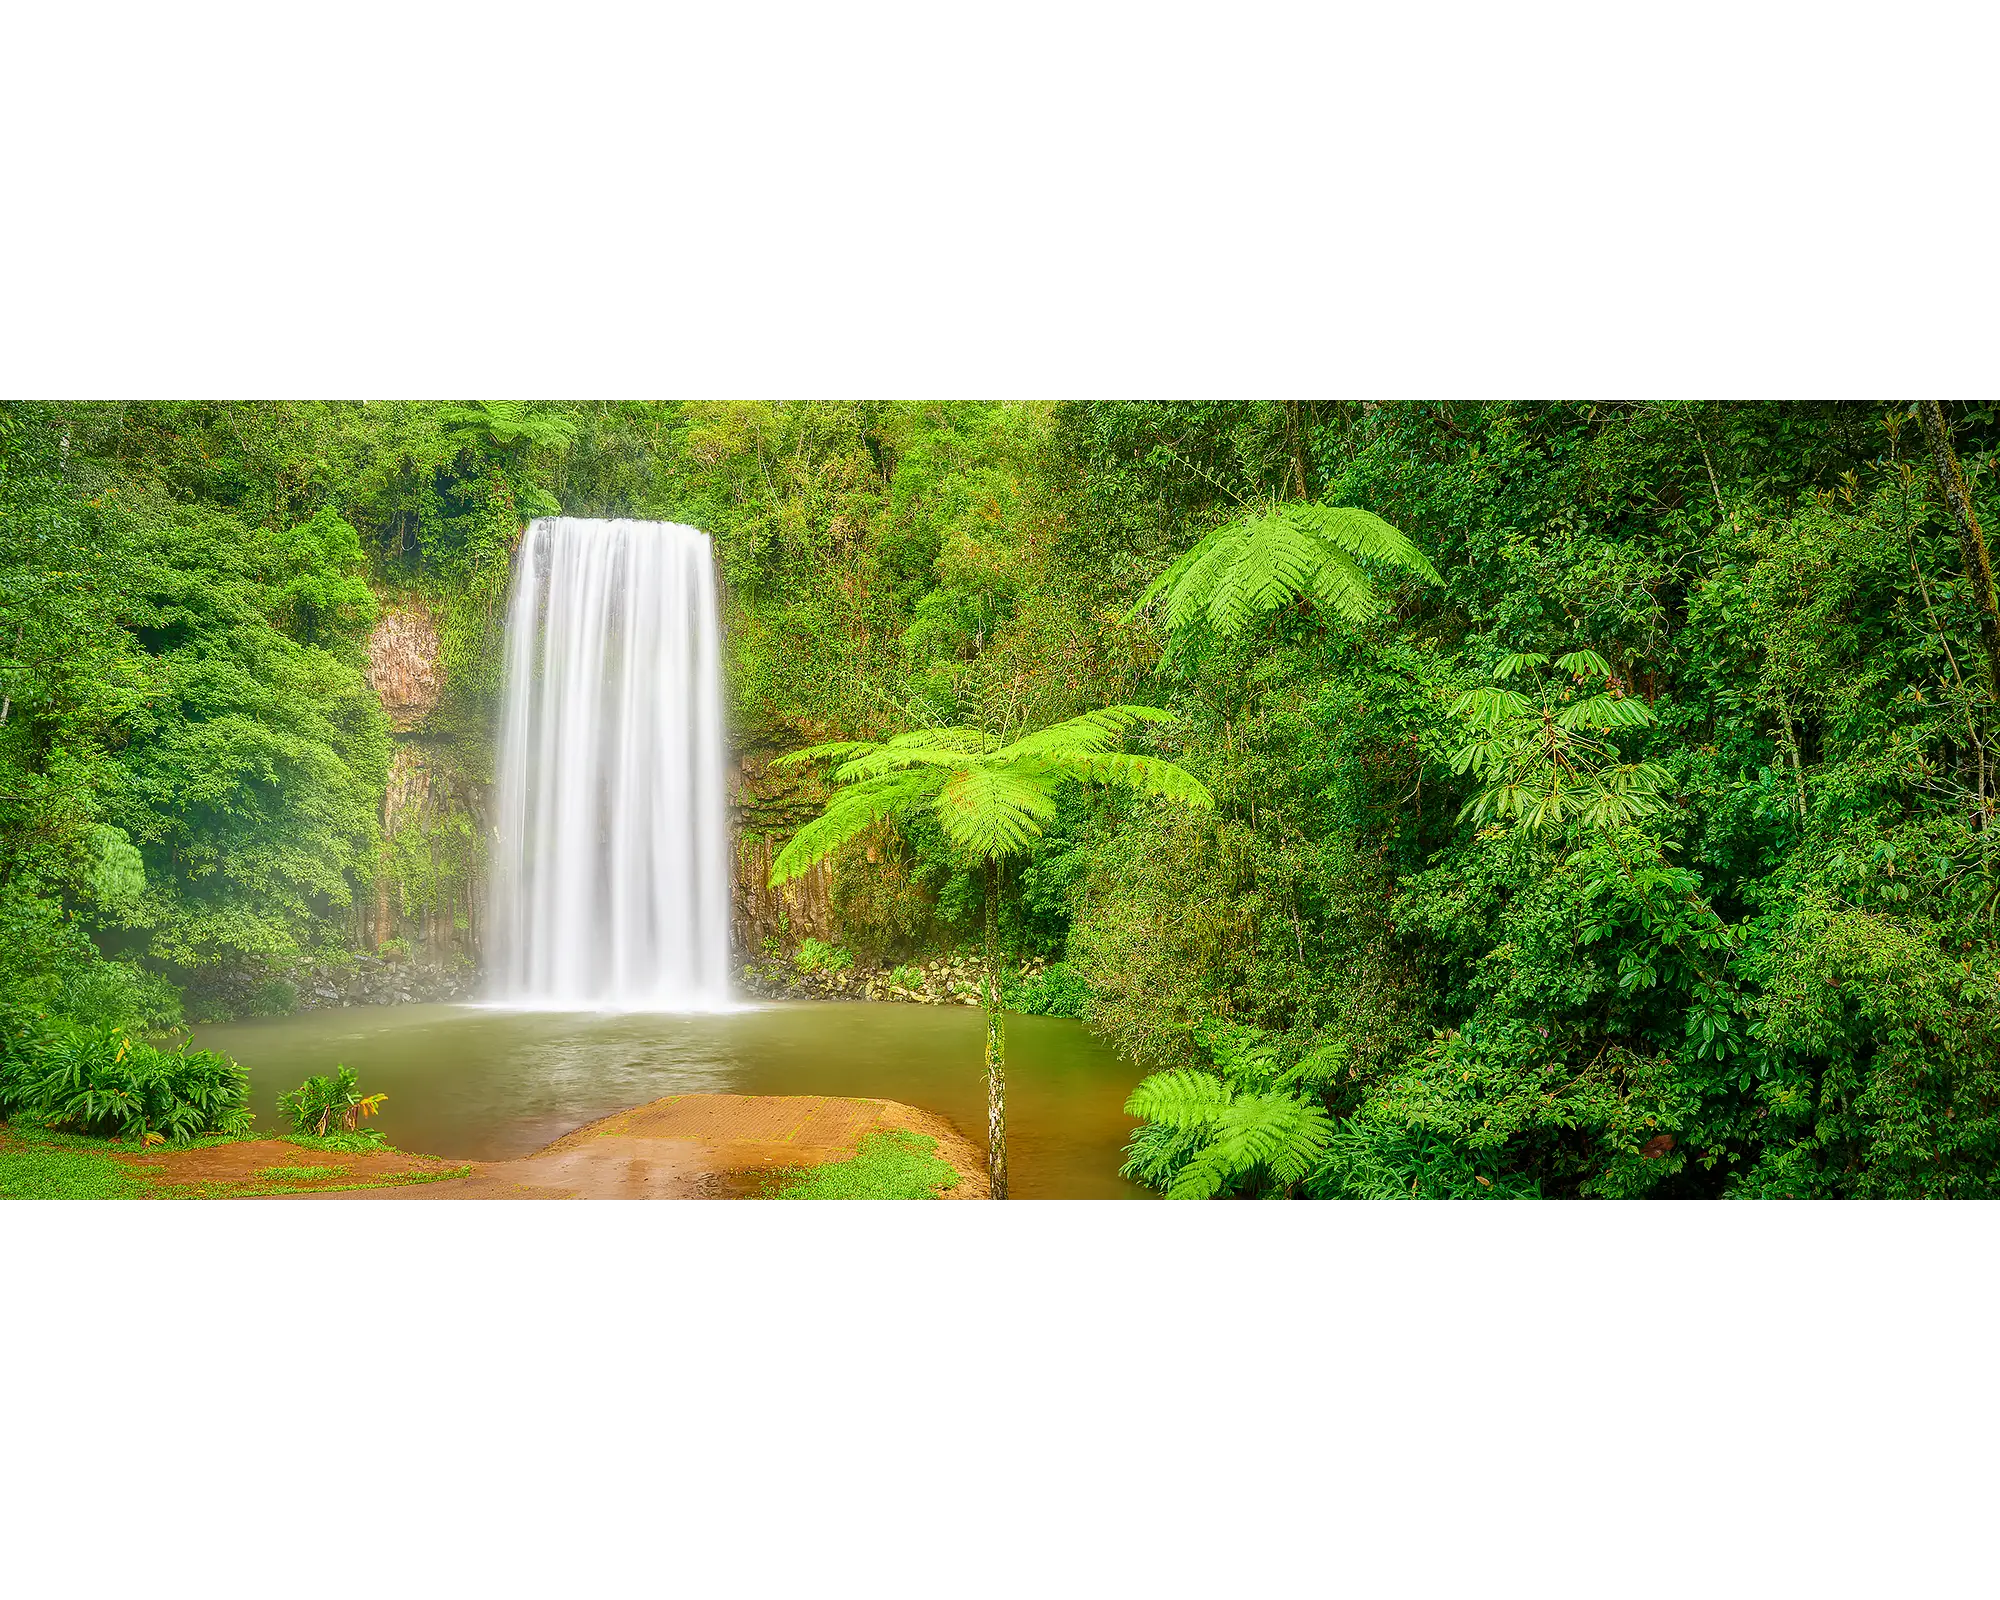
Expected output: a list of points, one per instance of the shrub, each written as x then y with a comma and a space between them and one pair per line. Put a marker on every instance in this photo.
815, 955
100, 1080
275, 997
123, 993
330, 1104
905, 977
1056, 991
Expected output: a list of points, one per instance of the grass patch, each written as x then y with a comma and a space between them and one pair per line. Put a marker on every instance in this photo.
36, 1164
43, 1164
360, 1142
252, 1190
892, 1165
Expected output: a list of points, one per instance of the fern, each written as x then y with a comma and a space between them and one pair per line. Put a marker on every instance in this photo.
1186, 1100
1207, 1132
1276, 555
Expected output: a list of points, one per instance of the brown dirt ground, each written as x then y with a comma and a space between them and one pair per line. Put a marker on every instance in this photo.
687, 1146
234, 1168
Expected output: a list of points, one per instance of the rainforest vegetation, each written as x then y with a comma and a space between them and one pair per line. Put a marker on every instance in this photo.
1601, 795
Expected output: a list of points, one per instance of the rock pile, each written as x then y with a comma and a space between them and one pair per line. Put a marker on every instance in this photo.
943, 981
360, 980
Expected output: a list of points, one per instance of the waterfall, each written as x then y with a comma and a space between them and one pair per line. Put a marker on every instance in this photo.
611, 879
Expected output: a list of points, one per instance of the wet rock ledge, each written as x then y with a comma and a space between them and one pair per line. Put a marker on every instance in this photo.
942, 981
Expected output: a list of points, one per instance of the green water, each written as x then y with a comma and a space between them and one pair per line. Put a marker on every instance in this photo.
485, 1085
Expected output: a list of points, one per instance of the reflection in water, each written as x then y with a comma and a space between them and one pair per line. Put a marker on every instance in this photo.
487, 1084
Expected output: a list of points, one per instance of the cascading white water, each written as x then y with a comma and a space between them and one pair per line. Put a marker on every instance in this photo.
611, 883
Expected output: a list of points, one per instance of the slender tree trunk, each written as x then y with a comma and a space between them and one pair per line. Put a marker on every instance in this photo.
996, 1065
1971, 542
1298, 445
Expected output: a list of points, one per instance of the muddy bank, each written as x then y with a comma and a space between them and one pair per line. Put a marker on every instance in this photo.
698, 1146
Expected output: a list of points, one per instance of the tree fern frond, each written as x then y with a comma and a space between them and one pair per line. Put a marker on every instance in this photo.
1286, 1137
1320, 1068
1171, 575
1155, 1152
878, 759
970, 741
1146, 774
1261, 1129
847, 814
1206, 564
838, 749
1092, 731
1362, 533
1205, 1175
991, 811
1274, 561
1183, 1099
1307, 1134
1342, 586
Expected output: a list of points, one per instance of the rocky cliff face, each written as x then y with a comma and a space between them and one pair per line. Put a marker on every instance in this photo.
429, 899
767, 805
403, 665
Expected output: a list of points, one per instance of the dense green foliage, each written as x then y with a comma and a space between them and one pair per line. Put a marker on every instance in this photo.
1705, 908
1650, 850
97, 1079
328, 1104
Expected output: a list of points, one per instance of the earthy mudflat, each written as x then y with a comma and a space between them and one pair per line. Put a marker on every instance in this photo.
694, 1146
259, 1166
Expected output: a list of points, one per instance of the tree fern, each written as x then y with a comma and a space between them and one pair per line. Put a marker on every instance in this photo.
501, 425
993, 801
1274, 555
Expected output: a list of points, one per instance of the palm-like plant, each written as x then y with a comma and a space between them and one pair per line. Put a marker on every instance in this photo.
993, 801
502, 425
1275, 554
1542, 760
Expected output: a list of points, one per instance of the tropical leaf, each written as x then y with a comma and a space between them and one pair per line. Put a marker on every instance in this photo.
992, 811
1146, 774
1278, 1132
1537, 762
1582, 663
850, 811
838, 750
1362, 533
1093, 731
1184, 1099
1275, 555
1607, 711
